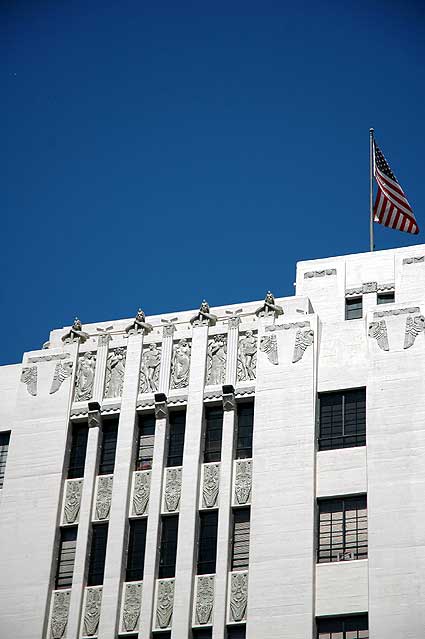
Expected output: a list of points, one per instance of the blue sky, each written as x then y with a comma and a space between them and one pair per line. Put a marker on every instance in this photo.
155, 153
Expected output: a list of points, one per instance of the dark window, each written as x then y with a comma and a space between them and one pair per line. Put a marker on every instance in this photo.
350, 627
97, 555
236, 632
385, 298
77, 456
146, 442
213, 434
244, 433
342, 417
342, 529
168, 547
207, 546
202, 633
4, 448
109, 446
240, 538
160, 635
66, 557
136, 550
353, 308
177, 427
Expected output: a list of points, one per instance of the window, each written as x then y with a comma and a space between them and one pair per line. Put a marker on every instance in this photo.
176, 438
160, 635
213, 434
136, 550
146, 442
97, 554
342, 417
168, 547
352, 627
353, 308
77, 456
207, 546
244, 432
109, 446
236, 632
385, 298
202, 633
240, 538
66, 557
4, 448
342, 529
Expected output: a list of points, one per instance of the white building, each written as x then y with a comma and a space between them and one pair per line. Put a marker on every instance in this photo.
250, 471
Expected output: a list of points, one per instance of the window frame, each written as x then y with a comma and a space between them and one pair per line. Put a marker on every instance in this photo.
95, 576
207, 550
213, 443
145, 421
108, 452
387, 297
176, 439
352, 301
4, 452
342, 528
64, 533
244, 511
243, 441
344, 622
344, 439
136, 551
78, 450
167, 559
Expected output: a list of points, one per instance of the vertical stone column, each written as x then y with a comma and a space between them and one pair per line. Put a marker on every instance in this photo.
232, 349
186, 545
101, 358
166, 354
121, 491
84, 526
153, 526
224, 513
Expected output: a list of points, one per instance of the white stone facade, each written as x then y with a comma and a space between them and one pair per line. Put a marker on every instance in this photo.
307, 349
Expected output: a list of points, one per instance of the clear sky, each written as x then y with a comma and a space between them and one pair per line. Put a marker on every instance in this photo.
155, 153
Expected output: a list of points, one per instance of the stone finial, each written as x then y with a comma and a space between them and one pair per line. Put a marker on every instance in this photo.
204, 316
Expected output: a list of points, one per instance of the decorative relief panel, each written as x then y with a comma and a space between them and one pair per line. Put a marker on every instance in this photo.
173, 486
60, 612
180, 364
115, 367
303, 339
92, 611
84, 378
238, 596
72, 502
104, 496
63, 370
164, 603
29, 377
414, 260
378, 331
149, 370
414, 326
204, 600
210, 485
131, 607
216, 360
268, 345
328, 271
243, 481
397, 311
141, 491
247, 357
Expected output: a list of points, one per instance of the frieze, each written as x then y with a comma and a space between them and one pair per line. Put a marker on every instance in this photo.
71, 510
268, 345
246, 391
177, 399
92, 611
47, 358
414, 326
247, 357
414, 260
29, 378
115, 368
286, 327
322, 273
212, 395
84, 378
396, 311
303, 340
211, 485
204, 600
378, 331
60, 612
173, 485
180, 364
149, 371
164, 604
141, 492
238, 596
384, 288
103, 496
243, 481
131, 607
63, 370
216, 360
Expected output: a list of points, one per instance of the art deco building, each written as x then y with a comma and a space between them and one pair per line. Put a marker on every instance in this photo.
254, 470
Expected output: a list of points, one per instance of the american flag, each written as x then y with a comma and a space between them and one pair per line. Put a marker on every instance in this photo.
391, 206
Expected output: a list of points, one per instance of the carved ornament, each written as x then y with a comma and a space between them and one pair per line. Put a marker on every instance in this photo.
29, 378
243, 481
115, 368
378, 331
247, 357
303, 340
238, 596
164, 604
141, 491
84, 378
322, 273
211, 485
149, 371
63, 370
269, 307
268, 345
104, 496
75, 334
139, 325
60, 612
216, 360
285, 327
180, 364
47, 358
173, 485
92, 611
74, 488
131, 607
414, 326
204, 600
414, 260
396, 311
204, 316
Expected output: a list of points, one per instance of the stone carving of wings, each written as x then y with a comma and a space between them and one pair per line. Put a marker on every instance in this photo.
269, 346
303, 339
414, 326
62, 371
378, 331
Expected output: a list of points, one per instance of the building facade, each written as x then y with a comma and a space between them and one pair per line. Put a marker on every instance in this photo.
254, 470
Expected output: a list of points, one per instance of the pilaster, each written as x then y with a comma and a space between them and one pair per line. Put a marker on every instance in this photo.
232, 349
101, 359
166, 354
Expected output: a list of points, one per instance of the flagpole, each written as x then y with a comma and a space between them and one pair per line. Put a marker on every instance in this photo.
372, 245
